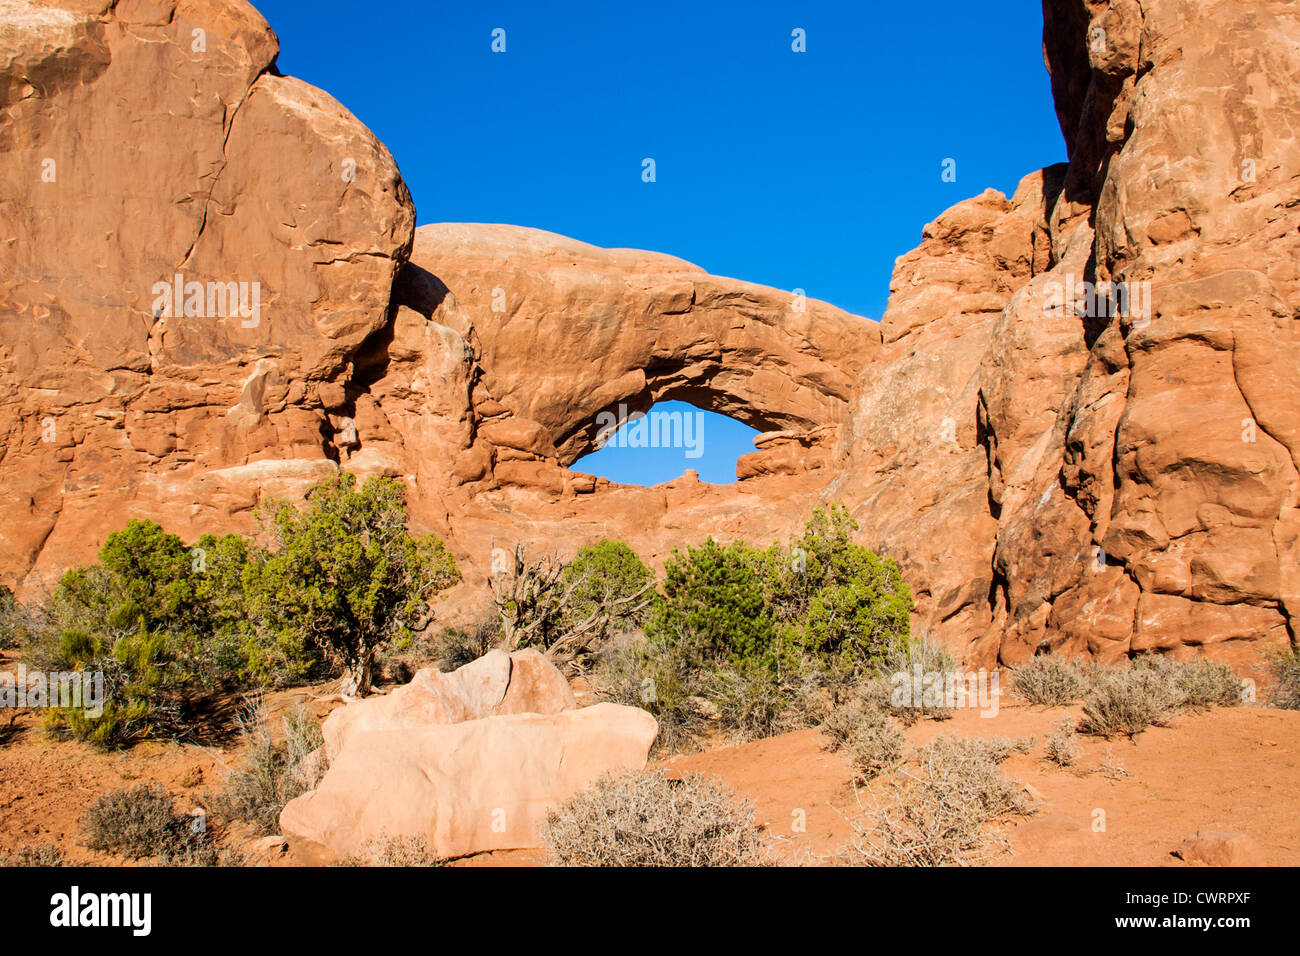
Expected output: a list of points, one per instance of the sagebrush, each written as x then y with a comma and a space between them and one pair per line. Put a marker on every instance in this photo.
137, 822
647, 819
273, 771
939, 811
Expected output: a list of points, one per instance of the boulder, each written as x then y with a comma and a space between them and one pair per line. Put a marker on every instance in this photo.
464, 788
497, 683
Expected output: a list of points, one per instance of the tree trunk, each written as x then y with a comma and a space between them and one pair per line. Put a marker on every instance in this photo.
359, 674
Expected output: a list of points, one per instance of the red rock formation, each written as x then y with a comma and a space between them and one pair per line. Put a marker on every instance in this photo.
1049, 474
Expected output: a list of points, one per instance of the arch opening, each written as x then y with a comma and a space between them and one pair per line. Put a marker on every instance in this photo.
663, 442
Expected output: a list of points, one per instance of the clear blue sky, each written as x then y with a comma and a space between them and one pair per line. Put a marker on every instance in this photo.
710, 444
806, 170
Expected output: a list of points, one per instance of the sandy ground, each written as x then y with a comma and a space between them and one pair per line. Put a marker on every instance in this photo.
1235, 769
1227, 769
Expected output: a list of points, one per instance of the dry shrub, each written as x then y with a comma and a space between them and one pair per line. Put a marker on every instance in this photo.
137, 822
272, 772
646, 819
39, 854
1285, 668
394, 851
455, 647
652, 676
938, 814
1062, 745
931, 659
1128, 700
1204, 683
753, 702
1050, 681
866, 732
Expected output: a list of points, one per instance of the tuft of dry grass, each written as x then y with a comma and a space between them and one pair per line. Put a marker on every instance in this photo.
35, 855
272, 772
647, 819
1126, 701
1062, 744
394, 851
137, 822
867, 733
1285, 667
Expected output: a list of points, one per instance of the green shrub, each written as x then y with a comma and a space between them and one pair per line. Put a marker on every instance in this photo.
645, 819
823, 602
163, 621
761, 642
714, 608
140, 686
1050, 681
229, 648
837, 602
137, 822
1285, 668
272, 772
344, 577
606, 586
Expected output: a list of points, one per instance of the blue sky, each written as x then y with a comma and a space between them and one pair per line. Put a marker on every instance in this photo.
709, 443
809, 170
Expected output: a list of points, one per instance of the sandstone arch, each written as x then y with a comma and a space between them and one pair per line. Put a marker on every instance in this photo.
992, 446
604, 327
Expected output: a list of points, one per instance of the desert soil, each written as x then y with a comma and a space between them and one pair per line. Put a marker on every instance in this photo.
1235, 769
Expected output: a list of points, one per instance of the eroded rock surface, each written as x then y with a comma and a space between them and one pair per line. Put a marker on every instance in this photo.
1050, 472
150, 146
522, 682
465, 787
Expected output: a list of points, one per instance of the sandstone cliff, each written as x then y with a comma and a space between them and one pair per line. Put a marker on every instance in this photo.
1075, 426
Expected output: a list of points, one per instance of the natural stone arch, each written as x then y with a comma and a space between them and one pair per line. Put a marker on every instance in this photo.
565, 331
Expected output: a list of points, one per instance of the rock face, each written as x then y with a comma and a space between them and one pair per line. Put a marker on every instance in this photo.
1076, 426
149, 146
466, 787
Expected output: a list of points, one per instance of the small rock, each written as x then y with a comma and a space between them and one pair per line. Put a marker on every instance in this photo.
1219, 848
1034, 793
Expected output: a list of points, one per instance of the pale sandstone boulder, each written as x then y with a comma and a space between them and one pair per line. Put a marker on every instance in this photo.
465, 788
523, 682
